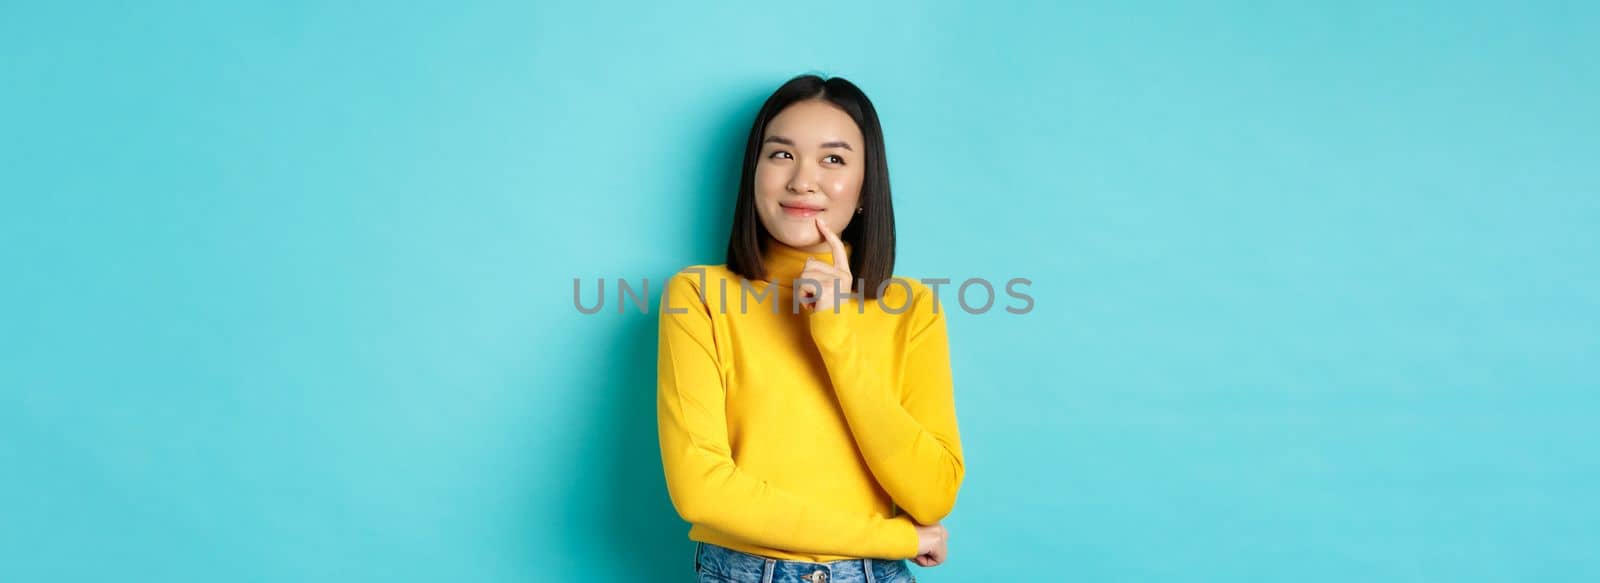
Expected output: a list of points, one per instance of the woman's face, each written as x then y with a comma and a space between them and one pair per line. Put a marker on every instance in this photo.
811, 165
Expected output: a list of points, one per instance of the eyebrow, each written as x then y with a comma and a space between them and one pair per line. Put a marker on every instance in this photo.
789, 142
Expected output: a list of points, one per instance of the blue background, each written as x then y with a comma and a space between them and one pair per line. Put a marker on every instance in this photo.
288, 287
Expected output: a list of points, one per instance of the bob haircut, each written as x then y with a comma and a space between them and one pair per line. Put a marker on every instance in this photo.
870, 234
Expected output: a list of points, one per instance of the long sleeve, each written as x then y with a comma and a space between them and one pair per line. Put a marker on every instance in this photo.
906, 426
704, 483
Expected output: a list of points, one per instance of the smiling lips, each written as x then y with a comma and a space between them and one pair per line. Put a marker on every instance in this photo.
800, 209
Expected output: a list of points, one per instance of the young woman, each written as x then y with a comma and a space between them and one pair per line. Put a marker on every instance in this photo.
807, 418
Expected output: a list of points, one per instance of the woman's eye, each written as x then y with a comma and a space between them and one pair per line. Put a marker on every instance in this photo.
779, 153
834, 159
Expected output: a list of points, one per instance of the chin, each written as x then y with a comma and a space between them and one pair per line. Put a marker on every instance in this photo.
793, 235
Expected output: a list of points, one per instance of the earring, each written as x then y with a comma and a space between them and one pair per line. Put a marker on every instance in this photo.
858, 210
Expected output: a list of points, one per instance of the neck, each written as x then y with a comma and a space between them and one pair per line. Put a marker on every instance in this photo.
784, 263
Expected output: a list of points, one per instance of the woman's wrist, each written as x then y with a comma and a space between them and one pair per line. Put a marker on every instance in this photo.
910, 536
830, 330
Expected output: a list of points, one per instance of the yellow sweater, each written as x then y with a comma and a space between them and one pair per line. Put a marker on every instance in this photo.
797, 435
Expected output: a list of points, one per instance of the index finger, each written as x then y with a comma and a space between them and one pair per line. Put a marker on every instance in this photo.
840, 262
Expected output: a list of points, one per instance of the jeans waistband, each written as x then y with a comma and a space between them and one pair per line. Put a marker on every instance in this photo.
741, 566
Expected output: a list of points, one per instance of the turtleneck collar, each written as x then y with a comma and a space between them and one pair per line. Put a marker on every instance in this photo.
784, 263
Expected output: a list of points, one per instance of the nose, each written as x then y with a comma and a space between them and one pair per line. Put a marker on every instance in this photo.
802, 182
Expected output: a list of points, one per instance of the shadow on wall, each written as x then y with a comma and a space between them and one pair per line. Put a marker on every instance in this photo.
617, 505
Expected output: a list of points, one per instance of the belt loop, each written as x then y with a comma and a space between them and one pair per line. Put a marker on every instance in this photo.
866, 566
697, 548
767, 570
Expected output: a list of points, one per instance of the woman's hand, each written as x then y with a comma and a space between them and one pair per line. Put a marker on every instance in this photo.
824, 275
932, 545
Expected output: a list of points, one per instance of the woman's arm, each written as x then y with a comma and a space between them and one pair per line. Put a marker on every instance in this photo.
705, 484
905, 427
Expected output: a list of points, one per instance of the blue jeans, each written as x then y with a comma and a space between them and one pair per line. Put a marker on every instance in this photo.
719, 564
